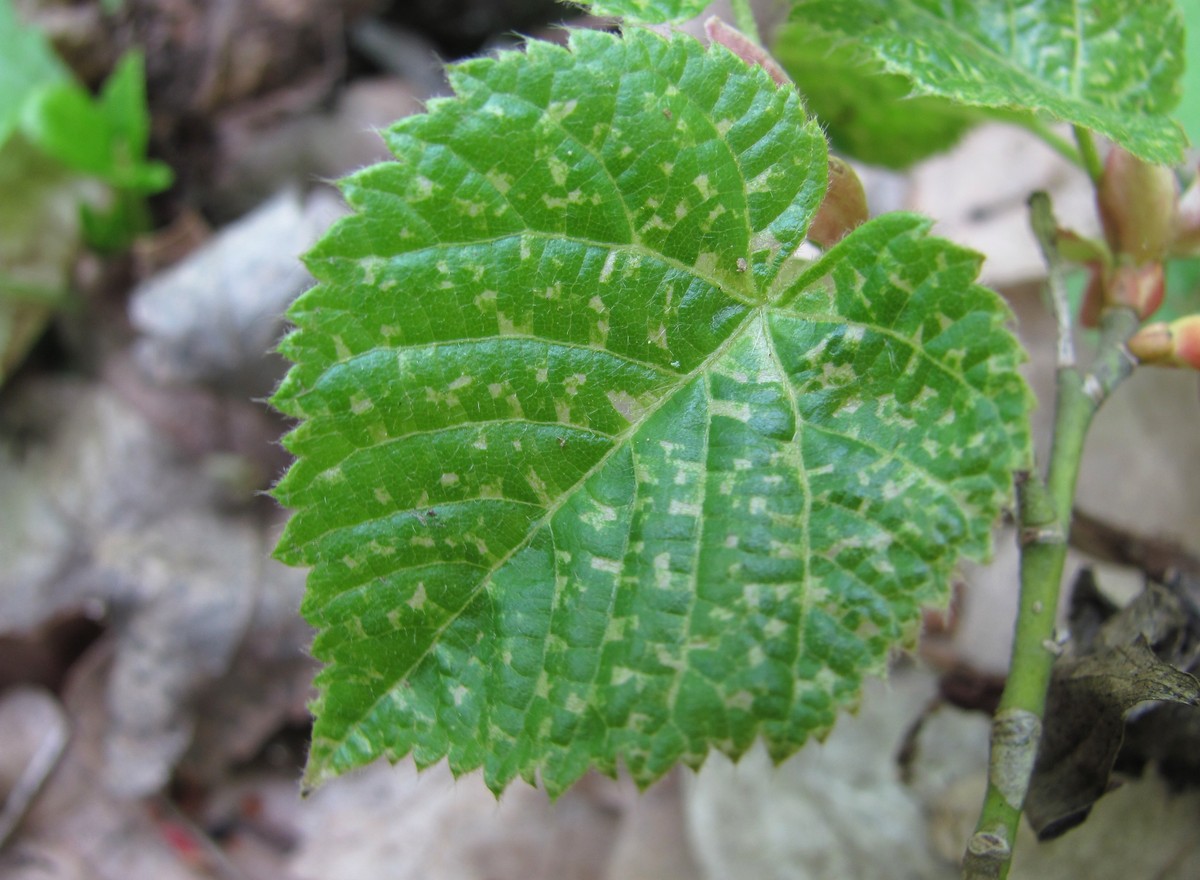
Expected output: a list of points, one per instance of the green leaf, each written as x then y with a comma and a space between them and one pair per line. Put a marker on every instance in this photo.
39, 241
867, 112
1188, 112
123, 103
65, 124
591, 471
27, 63
112, 229
646, 11
1108, 65
105, 137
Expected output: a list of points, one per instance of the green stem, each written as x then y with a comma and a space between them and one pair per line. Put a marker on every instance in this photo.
1089, 154
1045, 230
1044, 512
743, 19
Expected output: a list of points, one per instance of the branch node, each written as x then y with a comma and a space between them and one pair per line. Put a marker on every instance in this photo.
988, 853
1029, 535
991, 846
1015, 736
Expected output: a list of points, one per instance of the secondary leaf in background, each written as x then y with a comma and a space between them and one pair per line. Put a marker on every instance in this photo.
39, 240
867, 112
123, 103
585, 478
37, 237
646, 11
105, 137
119, 149
63, 136
27, 63
1188, 112
1077, 61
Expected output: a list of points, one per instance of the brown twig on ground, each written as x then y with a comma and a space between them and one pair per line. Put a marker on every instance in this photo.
1156, 557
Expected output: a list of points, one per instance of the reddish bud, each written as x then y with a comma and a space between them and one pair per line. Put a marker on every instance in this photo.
844, 207
1137, 204
1152, 343
1186, 332
1142, 288
745, 48
1093, 296
1170, 345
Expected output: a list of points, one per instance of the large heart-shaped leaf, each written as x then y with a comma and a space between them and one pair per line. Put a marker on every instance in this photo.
1109, 65
591, 469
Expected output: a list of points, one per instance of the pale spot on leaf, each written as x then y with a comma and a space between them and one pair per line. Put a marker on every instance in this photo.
626, 405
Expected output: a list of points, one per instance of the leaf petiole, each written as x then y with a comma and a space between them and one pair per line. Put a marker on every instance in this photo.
1088, 154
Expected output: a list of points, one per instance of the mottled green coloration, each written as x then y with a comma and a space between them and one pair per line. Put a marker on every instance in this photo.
646, 11
868, 114
590, 471
1109, 65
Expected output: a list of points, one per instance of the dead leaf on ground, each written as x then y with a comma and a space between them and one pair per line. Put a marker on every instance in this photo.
102, 509
77, 829
835, 809
1091, 694
398, 823
216, 317
34, 731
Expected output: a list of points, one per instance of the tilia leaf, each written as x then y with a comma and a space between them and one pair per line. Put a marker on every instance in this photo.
867, 113
646, 11
1080, 61
591, 471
